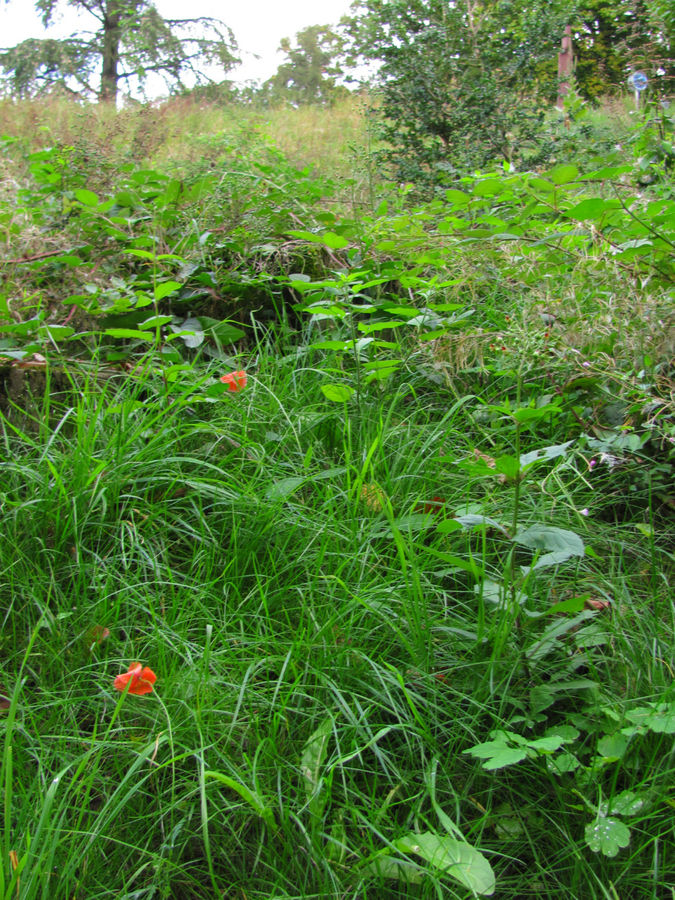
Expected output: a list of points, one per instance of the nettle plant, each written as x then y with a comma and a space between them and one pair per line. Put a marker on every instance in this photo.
359, 315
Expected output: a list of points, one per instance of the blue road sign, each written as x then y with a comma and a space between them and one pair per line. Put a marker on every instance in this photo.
638, 81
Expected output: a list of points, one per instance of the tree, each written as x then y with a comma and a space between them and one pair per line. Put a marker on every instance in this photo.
462, 82
309, 73
129, 42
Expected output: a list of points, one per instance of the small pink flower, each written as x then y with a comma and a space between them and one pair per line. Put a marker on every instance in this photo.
235, 381
592, 463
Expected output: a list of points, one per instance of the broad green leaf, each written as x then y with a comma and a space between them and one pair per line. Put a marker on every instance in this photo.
284, 488
334, 241
155, 322
472, 520
526, 415
86, 198
314, 755
627, 803
568, 733
457, 198
165, 288
386, 866
55, 332
381, 374
141, 254
607, 835
408, 311
129, 333
251, 797
506, 823
563, 174
497, 754
190, 332
612, 747
607, 173
223, 331
564, 544
487, 188
591, 208
68, 259
332, 345
660, 719
304, 236
562, 763
337, 393
455, 858
547, 744
552, 452
508, 466
573, 605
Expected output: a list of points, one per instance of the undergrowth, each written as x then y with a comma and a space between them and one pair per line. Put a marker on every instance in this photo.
404, 584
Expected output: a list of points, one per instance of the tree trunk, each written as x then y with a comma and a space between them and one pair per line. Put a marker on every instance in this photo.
112, 34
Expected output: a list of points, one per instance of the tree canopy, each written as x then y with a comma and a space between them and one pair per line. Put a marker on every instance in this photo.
309, 72
128, 41
464, 83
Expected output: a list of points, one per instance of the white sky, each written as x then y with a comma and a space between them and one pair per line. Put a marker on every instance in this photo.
258, 25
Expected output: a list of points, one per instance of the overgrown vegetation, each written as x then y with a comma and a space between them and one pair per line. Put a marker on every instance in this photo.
405, 585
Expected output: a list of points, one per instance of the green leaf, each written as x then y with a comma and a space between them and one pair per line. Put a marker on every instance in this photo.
128, 333
154, 322
457, 198
526, 415
86, 198
627, 803
386, 866
337, 393
660, 719
314, 755
508, 466
334, 241
607, 835
573, 605
487, 188
564, 544
165, 289
562, 763
55, 332
455, 858
563, 174
223, 331
613, 747
282, 489
304, 236
551, 452
591, 208
547, 744
471, 520
497, 754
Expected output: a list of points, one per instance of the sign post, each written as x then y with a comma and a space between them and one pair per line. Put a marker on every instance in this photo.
638, 81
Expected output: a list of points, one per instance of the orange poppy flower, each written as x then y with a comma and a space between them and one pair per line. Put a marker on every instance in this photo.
235, 381
139, 678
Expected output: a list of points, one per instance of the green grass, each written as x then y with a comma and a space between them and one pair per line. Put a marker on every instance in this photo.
385, 635
228, 543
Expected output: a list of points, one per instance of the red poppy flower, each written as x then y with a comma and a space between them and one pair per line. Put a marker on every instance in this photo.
235, 381
139, 678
